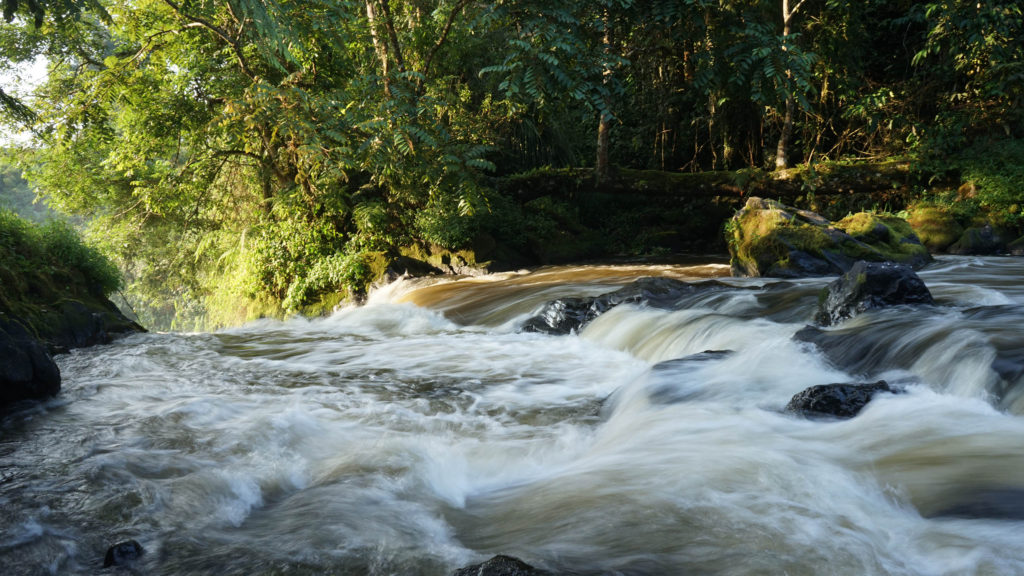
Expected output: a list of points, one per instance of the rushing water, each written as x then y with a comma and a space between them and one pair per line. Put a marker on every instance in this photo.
422, 432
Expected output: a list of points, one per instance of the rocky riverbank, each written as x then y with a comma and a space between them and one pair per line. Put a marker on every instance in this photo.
53, 300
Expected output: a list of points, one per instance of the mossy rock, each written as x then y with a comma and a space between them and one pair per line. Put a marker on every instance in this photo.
935, 226
443, 260
1016, 247
767, 238
982, 240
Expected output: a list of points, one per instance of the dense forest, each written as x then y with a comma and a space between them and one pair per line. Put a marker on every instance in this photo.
239, 158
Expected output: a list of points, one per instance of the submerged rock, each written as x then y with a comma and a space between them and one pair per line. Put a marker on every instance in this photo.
501, 566
838, 400
123, 554
869, 285
767, 238
699, 357
1000, 504
567, 315
666, 386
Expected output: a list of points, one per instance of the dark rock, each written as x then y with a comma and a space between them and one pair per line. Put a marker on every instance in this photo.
562, 316
566, 315
869, 285
123, 554
1003, 504
980, 241
853, 351
767, 238
27, 371
837, 400
501, 566
407, 266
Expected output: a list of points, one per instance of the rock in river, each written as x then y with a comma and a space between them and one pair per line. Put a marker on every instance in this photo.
767, 238
123, 554
836, 400
869, 285
27, 370
501, 566
567, 315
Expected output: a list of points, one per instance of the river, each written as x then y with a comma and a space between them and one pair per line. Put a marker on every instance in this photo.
423, 431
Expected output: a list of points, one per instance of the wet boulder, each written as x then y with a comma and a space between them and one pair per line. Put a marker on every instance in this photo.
768, 238
567, 315
835, 400
563, 316
870, 285
998, 504
501, 566
27, 371
123, 554
668, 379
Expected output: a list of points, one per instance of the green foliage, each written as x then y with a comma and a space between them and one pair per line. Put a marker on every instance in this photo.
992, 170
442, 222
355, 270
243, 154
40, 262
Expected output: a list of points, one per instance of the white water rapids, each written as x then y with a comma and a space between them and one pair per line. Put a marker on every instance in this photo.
423, 432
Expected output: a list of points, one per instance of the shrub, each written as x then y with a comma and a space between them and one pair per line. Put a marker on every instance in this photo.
52, 256
66, 249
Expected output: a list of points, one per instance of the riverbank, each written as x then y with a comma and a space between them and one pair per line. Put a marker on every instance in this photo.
559, 216
53, 300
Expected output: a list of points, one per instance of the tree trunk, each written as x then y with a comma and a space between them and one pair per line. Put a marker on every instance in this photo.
782, 149
379, 46
604, 128
604, 123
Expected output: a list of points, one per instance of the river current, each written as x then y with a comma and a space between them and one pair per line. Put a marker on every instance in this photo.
423, 431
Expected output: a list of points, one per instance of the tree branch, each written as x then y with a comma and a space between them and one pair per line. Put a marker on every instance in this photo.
219, 32
795, 9
459, 6
237, 153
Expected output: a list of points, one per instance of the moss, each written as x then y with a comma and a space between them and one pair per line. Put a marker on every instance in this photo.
888, 235
768, 238
935, 226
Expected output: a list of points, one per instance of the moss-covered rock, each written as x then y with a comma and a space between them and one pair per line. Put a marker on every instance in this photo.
935, 226
767, 238
1016, 247
443, 260
981, 241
